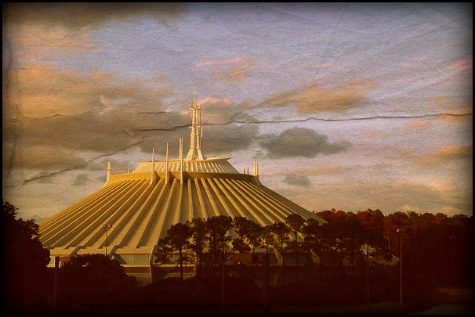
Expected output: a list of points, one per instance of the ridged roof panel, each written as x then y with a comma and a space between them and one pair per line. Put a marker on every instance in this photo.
140, 212
209, 165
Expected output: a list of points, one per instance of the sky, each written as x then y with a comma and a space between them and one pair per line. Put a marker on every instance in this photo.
351, 106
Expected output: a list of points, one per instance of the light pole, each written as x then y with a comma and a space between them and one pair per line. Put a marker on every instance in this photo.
400, 232
367, 279
106, 228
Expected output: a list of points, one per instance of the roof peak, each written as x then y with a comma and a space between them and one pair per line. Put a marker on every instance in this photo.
196, 132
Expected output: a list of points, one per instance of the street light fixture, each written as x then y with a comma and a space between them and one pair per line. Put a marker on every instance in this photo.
400, 232
367, 278
106, 228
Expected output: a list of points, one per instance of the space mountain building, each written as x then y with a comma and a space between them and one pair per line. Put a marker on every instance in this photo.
132, 211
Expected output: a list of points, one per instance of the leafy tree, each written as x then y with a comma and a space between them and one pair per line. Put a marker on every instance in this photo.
94, 281
219, 238
310, 230
267, 238
295, 223
331, 215
373, 224
249, 231
198, 240
240, 246
351, 236
393, 222
24, 262
178, 236
280, 233
322, 240
164, 250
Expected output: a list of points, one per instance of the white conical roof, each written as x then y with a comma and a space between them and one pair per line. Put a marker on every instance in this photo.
140, 206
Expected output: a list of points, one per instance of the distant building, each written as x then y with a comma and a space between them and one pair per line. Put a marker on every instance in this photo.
126, 218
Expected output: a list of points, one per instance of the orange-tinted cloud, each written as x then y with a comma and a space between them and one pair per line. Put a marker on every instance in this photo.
448, 153
40, 91
461, 65
320, 170
237, 60
315, 99
235, 70
214, 101
418, 124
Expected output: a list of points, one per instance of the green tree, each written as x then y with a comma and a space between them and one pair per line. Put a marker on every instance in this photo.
24, 262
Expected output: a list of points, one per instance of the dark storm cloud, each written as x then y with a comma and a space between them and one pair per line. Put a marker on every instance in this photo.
76, 15
298, 180
300, 142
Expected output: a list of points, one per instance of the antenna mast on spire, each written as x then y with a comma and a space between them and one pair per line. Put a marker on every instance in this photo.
195, 132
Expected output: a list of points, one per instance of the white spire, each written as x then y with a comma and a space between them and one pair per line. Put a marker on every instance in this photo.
109, 171
195, 132
166, 166
181, 161
153, 176
255, 170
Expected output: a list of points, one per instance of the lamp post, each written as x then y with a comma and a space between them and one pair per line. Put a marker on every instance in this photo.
106, 228
400, 232
367, 279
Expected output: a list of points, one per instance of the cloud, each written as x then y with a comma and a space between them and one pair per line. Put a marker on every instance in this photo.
418, 124
441, 186
80, 179
320, 170
419, 58
388, 197
39, 91
235, 73
300, 142
31, 29
229, 138
237, 60
315, 99
65, 110
52, 118
77, 15
297, 180
214, 101
461, 65
446, 154
324, 65
408, 207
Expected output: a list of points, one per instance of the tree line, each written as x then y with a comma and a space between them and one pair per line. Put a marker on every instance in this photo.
434, 246
437, 251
